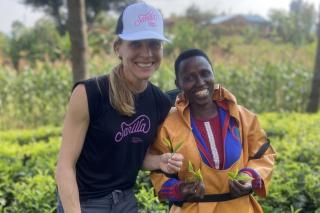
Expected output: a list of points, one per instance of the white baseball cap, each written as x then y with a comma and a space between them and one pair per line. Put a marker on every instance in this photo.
140, 21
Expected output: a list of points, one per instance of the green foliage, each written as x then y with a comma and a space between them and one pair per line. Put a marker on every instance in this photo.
164, 77
39, 43
197, 176
236, 176
281, 87
39, 96
101, 34
251, 34
296, 180
187, 34
295, 26
34, 98
170, 147
27, 168
57, 10
29, 136
4, 47
194, 13
148, 202
34, 194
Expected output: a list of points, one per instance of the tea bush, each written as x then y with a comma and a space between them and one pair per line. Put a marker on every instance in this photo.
27, 164
26, 174
296, 180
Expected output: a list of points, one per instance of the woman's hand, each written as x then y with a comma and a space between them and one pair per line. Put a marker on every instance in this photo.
192, 190
239, 188
171, 163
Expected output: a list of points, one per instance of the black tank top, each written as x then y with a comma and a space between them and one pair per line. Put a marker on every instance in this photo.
115, 145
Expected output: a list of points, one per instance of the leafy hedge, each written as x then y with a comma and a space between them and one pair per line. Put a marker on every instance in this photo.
26, 176
39, 97
28, 158
296, 181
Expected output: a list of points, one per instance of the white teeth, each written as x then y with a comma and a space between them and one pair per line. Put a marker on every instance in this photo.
144, 65
202, 93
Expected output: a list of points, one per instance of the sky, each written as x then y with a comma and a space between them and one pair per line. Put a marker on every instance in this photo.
11, 10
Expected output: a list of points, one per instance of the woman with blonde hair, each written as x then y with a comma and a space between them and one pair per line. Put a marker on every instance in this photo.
112, 120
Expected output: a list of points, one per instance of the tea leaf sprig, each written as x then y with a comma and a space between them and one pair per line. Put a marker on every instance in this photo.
196, 174
239, 176
172, 149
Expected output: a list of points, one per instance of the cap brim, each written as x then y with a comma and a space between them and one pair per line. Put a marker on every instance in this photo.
142, 36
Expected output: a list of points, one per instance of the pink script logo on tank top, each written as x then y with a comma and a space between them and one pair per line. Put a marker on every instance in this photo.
140, 125
150, 17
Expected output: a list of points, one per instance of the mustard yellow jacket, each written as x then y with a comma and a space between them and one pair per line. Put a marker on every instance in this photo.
177, 128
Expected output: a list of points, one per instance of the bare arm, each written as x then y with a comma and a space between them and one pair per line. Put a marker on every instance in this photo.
167, 162
73, 135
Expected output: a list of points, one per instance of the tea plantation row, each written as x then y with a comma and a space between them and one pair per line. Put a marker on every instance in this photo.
28, 158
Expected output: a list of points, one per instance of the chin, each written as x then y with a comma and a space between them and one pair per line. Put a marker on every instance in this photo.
146, 75
202, 101
145, 78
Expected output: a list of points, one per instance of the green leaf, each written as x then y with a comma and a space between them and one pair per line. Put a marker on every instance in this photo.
196, 174
168, 143
199, 175
233, 175
190, 167
244, 178
177, 147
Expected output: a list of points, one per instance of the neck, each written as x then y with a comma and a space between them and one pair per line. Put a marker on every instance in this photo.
134, 84
137, 86
204, 111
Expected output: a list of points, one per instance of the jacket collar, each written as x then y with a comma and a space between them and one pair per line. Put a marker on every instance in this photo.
222, 96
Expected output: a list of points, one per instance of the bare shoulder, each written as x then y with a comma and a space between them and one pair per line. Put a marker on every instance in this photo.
78, 104
79, 93
74, 128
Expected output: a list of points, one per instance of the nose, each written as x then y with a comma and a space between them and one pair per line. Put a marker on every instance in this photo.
200, 80
146, 50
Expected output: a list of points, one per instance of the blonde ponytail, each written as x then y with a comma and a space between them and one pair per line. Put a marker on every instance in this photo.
121, 97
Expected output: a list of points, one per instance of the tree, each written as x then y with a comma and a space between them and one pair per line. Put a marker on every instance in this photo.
78, 35
297, 25
186, 33
53, 8
41, 42
57, 9
197, 16
4, 49
95, 7
281, 22
303, 15
313, 103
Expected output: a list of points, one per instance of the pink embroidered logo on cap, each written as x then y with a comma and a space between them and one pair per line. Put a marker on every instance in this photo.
141, 21
150, 17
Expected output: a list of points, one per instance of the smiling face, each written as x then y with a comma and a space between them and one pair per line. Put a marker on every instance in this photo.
140, 59
195, 78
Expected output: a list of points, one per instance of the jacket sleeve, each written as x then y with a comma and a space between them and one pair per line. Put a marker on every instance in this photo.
264, 165
158, 147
